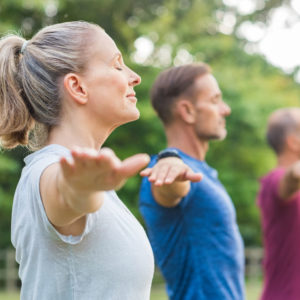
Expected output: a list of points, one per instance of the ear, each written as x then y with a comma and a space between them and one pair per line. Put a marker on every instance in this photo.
186, 111
75, 88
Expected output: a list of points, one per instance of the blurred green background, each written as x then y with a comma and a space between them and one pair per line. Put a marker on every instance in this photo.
156, 34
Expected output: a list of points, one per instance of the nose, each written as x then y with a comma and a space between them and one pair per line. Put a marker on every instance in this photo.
225, 109
134, 78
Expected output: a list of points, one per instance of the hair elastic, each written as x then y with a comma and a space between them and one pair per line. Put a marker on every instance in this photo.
24, 47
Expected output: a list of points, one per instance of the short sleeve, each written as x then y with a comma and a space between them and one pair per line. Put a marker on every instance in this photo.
40, 214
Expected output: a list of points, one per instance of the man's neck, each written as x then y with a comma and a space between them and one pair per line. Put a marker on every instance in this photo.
186, 140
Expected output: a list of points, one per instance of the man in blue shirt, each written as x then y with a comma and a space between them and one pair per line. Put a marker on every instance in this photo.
191, 224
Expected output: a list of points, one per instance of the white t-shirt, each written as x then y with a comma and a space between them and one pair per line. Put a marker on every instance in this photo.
111, 259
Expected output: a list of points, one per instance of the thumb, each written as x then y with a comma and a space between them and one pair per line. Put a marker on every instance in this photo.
131, 165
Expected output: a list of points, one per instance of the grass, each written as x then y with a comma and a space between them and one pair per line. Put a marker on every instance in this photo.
253, 289
9, 296
158, 292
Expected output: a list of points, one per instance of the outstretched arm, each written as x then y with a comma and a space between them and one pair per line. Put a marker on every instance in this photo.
73, 188
290, 182
170, 179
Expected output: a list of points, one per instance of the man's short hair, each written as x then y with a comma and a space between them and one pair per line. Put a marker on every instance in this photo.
173, 83
281, 123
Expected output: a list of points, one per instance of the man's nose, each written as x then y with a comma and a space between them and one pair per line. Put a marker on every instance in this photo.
225, 109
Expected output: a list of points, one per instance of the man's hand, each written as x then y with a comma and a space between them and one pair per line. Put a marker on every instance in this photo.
168, 170
290, 183
170, 179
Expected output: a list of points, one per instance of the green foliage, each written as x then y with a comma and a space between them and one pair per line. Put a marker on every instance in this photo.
9, 171
249, 84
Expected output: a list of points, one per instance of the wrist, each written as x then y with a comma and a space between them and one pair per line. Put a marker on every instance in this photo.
168, 153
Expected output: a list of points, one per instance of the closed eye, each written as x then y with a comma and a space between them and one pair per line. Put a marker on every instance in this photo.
119, 66
216, 99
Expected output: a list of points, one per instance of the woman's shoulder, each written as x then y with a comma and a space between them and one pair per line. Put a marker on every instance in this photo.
46, 153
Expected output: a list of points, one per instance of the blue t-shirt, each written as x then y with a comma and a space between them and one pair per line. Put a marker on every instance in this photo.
196, 244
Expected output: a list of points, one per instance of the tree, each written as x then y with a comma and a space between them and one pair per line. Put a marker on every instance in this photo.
179, 32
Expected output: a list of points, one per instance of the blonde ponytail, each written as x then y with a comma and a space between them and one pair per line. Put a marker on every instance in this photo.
15, 118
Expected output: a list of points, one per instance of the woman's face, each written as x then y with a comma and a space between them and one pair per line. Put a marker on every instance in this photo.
110, 84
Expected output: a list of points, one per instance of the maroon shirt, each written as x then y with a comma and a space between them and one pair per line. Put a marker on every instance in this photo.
281, 234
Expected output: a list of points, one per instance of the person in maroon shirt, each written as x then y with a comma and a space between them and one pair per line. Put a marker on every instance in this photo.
279, 203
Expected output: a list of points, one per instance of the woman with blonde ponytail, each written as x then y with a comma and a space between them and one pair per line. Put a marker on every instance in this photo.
62, 93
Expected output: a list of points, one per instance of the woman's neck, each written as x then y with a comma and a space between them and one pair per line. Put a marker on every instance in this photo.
78, 132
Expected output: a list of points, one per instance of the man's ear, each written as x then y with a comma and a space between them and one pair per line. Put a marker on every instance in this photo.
75, 88
185, 110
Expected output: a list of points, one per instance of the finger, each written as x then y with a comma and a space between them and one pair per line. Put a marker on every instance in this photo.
160, 174
175, 173
78, 157
192, 176
90, 153
146, 172
88, 158
131, 165
107, 158
158, 168
107, 151
66, 166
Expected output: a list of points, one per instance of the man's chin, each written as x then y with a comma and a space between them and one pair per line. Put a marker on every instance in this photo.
219, 137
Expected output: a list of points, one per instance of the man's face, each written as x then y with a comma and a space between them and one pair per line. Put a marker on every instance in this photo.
210, 109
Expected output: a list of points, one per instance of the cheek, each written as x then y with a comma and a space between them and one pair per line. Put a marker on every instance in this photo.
213, 116
120, 84
209, 120
206, 116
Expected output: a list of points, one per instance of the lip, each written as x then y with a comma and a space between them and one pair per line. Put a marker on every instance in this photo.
131, 95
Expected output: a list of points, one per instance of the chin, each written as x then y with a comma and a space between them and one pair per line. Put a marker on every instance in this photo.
223, 135
135, 115
218, 136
